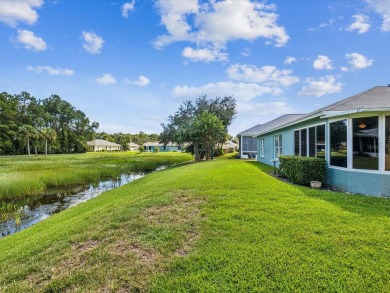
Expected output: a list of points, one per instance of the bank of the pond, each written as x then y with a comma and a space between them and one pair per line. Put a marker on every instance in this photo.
35, 209
221, 226
22, 176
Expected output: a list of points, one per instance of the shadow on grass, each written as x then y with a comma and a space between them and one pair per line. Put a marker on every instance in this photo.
356, 203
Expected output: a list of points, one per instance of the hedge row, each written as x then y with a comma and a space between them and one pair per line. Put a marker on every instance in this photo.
302, 170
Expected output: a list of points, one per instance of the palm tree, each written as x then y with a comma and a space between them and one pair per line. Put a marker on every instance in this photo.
48, 134
27, 132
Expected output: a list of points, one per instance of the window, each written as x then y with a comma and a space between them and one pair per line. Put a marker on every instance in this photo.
320, 141
296, 142
310, 141
248, 144
365, 143
277, 145
387, 144
303, 142
338, 143
262, 147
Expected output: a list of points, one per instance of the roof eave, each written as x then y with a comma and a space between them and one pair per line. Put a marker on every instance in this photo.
316, 115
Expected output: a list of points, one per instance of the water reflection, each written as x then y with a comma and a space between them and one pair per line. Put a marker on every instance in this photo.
40, 207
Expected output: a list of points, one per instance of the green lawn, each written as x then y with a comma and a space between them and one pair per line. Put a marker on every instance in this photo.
220, 226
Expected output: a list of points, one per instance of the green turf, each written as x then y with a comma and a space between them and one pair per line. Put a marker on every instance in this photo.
220, 226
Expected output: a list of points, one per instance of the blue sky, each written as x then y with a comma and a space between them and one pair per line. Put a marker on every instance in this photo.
130, 64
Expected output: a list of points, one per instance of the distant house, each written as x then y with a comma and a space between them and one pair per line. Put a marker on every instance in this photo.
101, 145
352, 135
133, 146
229, 146
170, 147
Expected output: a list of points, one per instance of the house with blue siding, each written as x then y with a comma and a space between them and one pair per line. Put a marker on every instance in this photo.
352, 135
169, 147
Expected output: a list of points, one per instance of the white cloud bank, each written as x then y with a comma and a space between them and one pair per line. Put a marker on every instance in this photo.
205, 55
30, 41
322, 63
243, 92
267, 75
92, 42
382, 7
215, 23
142, 81
13, 12
361, 24
106, 79
126, 7
320, 87
51, 70
289, 60
357, 61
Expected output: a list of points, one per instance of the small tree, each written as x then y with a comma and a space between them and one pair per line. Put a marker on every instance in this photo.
26, 132
141, 149
48, 134
208, 130
156, 149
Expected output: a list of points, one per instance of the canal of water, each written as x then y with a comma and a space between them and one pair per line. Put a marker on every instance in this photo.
37, 208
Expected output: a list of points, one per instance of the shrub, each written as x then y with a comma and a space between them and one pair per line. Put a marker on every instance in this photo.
218, 152
141, 149
156, 149
302, 170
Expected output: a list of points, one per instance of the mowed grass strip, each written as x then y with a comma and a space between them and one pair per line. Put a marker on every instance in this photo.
220, 226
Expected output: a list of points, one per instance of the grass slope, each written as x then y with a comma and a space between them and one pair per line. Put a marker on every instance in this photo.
221, 226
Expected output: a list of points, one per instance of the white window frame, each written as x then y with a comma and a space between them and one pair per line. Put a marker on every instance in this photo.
278, 149
262, 152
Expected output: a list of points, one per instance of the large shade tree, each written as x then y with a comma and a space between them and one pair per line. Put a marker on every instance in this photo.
183, 126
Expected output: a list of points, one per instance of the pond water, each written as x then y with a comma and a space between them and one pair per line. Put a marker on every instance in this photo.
40, 207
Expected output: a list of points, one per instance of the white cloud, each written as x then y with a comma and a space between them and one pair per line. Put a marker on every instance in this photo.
106, 79
289, 60
382, 7
268, 75
322, 25
215, 23
322, 86
361, 24
51, 70
30, 41
240, 91
322, 63
263, 109
358, 61
142, 81
92, 42
13, 12
126, 7
205, 55
245, 52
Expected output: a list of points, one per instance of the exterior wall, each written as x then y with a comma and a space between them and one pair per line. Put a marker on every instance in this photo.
374, 183
287, 142
362, 182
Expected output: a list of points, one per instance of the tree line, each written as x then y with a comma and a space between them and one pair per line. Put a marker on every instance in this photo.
50, 125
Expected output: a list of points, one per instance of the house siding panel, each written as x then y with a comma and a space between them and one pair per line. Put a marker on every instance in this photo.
375, 184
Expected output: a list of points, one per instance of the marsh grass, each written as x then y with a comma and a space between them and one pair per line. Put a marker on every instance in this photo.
220, 226
22, 176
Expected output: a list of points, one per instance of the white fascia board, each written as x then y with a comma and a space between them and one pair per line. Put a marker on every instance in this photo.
330, 114
316, 115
